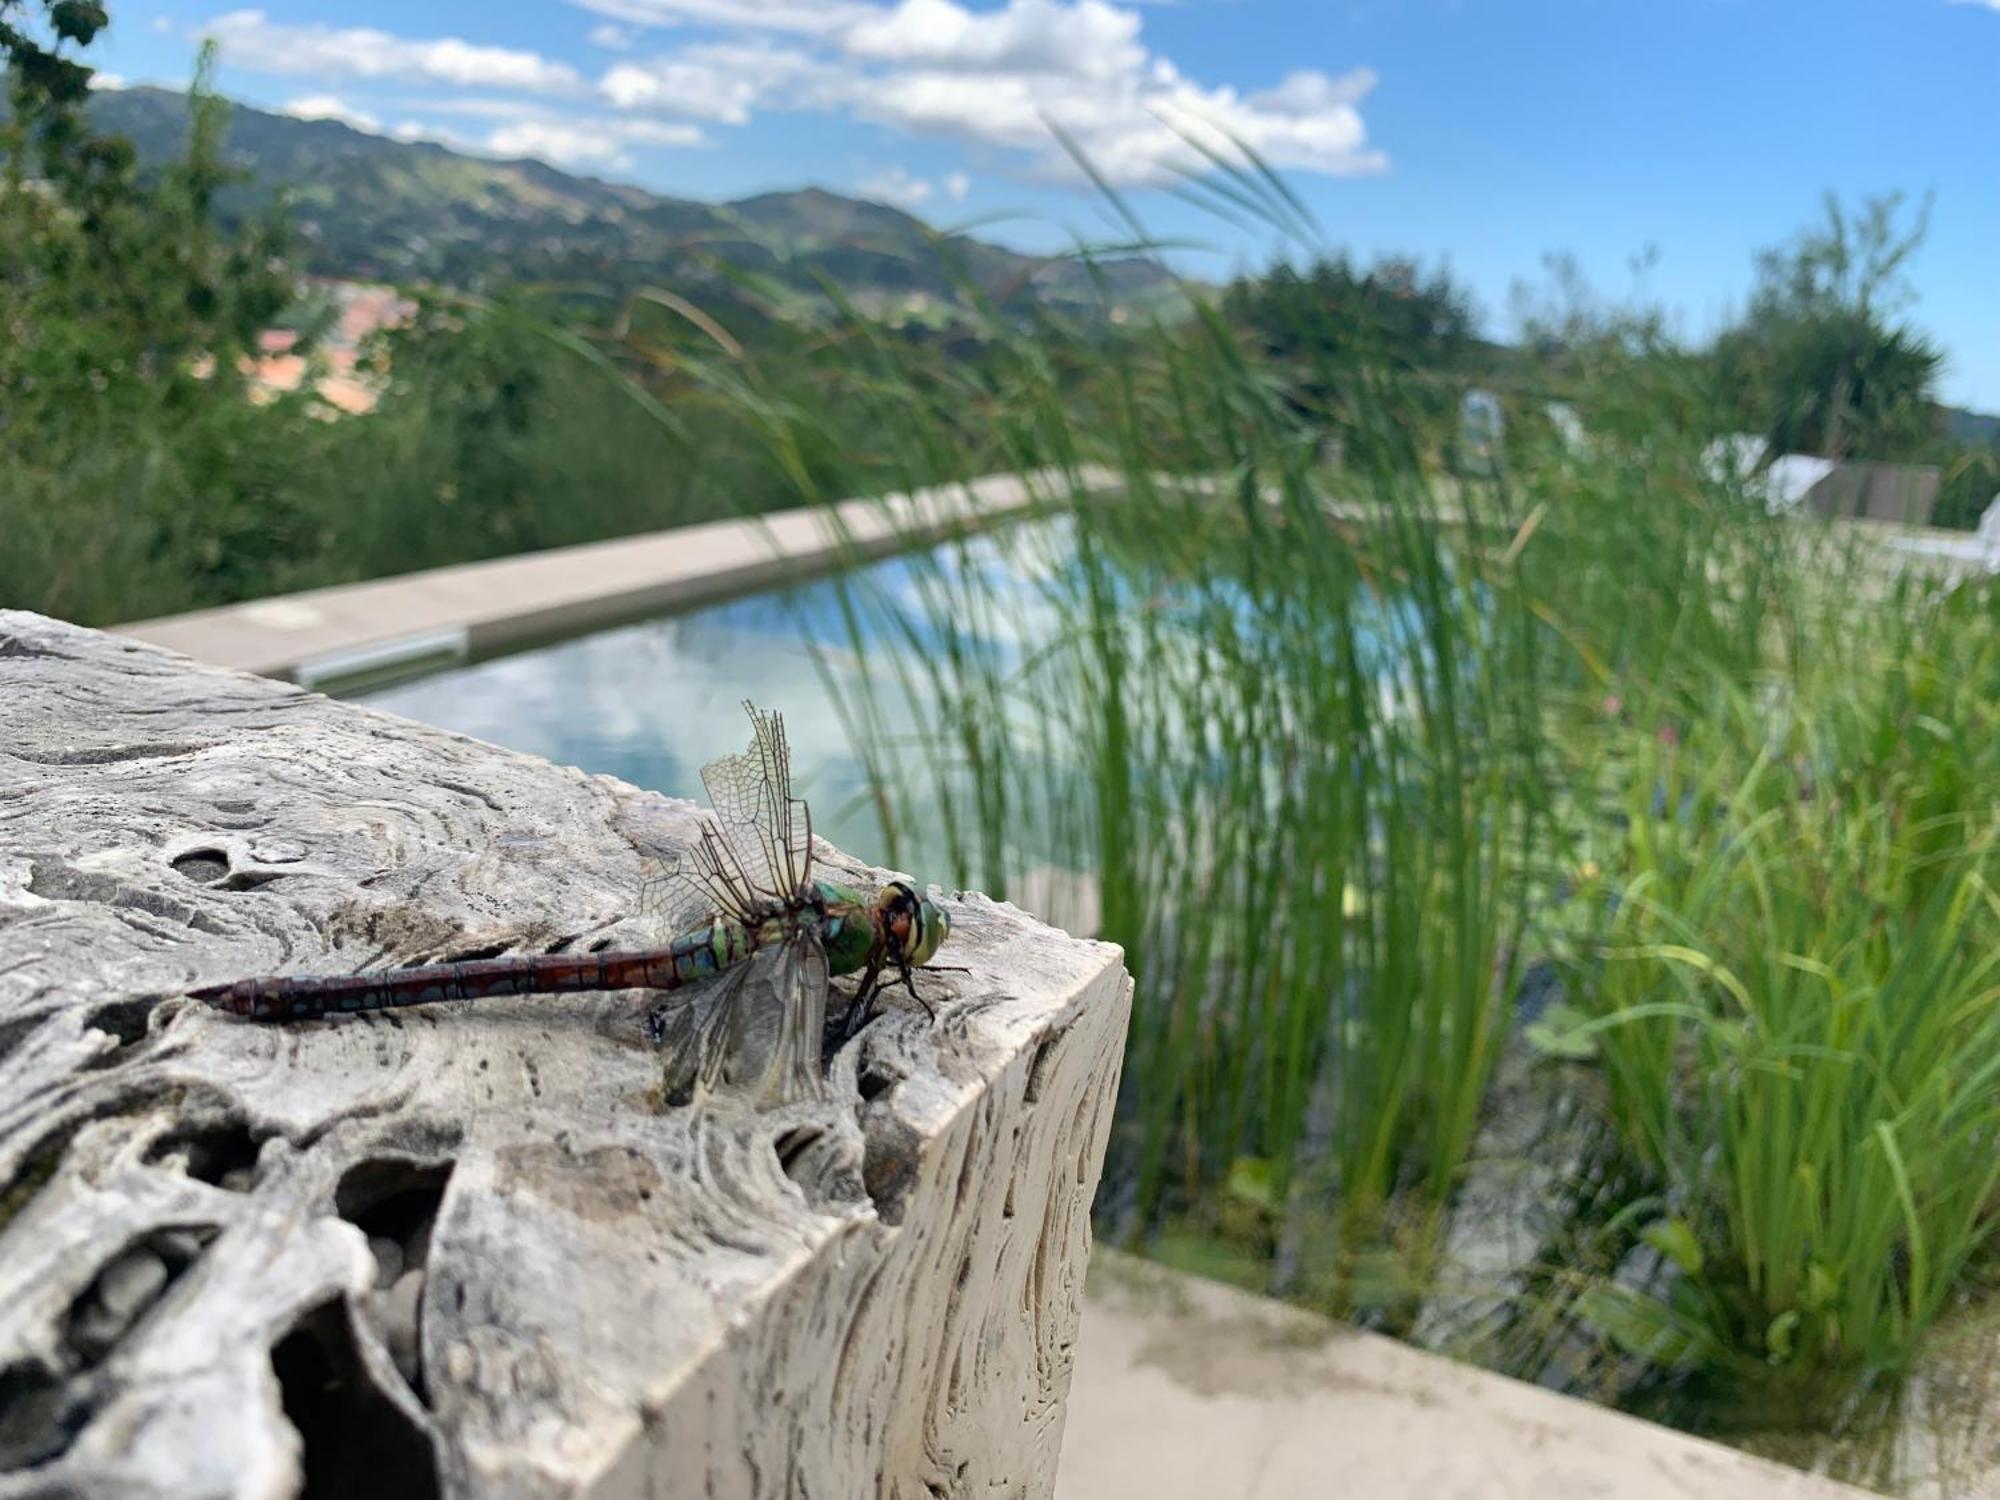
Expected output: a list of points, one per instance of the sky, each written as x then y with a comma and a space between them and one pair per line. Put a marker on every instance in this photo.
1661, 143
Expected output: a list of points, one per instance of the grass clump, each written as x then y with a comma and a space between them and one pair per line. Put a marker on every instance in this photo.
1794, 1007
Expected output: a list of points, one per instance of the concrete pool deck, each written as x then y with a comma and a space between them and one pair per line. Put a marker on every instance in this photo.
1189, 1390
441, 615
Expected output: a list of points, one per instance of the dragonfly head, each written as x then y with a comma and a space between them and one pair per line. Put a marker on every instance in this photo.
913, 927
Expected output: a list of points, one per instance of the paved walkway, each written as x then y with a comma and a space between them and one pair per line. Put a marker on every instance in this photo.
443, 614
1189, 1390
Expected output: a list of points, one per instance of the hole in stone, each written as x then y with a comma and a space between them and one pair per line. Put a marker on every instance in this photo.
473, 955
1038, 1069
875, 1081
394, 1201
355, 1440
793, 1145
889, 1161
220, 1152
124, 1019
248, 880
35, 1170
202, 866
13, 645
40, 1416
128, 1287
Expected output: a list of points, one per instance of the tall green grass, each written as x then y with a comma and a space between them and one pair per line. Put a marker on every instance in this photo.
1283, 725
1337, 752
1794, 1004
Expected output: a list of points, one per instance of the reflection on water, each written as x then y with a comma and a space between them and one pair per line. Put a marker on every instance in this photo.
652, 702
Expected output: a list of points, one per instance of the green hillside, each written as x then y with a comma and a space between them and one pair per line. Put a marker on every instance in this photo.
371, 208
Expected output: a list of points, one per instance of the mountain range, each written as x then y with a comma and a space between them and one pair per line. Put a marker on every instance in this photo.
371, 208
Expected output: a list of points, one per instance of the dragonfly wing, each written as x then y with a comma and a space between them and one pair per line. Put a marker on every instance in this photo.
802, 1038
760, 1034
766, 832
695, 1032
692, 886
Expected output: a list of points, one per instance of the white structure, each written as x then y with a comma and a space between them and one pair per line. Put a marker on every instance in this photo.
1783, 485
1988, 536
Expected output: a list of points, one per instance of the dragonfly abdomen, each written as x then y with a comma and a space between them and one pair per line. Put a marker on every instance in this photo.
694, 955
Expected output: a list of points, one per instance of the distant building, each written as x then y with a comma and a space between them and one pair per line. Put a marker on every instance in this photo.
1988, 536
1901, 493
337, 380
1568, 425
1904, 494
1481, 425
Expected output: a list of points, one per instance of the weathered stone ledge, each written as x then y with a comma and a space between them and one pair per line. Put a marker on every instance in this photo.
463, 1249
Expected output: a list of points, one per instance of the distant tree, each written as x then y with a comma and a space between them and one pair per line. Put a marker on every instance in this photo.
104, 274
1823, 361
1392, 311
1332, 330
126, 320
45, 82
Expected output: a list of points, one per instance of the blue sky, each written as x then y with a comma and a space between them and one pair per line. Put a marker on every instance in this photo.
1484, 133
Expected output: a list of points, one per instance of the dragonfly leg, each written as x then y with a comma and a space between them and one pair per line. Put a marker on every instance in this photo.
863, 1008
910, 984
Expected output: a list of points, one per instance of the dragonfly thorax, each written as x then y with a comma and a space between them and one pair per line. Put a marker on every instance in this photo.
847, 926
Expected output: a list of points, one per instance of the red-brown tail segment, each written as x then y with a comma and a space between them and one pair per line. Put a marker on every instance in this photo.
307, 998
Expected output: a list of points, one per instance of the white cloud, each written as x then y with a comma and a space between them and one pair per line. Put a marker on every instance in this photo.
957, 185
994, 78
250, 39
573, 143
1087, 39
108, 82
895, 185
483, 108
999, 78
719, 81
809, 17
612, 38
163, 24
1135, 128
424, 130
331, 107
543, 134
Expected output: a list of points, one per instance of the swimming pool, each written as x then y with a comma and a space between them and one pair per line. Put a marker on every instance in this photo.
651, 702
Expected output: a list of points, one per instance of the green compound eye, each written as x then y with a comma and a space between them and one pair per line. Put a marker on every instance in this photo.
933, 927
914, 926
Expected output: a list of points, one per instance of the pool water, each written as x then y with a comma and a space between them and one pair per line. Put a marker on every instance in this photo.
652, 702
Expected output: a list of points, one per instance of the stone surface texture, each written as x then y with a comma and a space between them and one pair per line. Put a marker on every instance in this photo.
465, 1249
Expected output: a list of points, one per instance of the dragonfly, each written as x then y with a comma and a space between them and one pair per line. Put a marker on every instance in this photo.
768, 937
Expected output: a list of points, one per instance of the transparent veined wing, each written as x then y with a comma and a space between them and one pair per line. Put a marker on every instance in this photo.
689, 886
765, 833
755, 1032
753, 848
